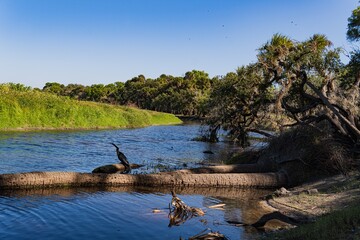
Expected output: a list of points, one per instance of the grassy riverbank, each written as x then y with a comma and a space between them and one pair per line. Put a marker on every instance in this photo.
30, 109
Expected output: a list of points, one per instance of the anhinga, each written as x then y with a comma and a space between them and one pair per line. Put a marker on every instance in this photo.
122, 159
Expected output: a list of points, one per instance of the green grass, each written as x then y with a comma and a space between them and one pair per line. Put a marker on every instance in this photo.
342, 224
38, 110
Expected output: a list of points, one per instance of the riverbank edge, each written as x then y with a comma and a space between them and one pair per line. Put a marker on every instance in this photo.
36, 111
311, 202
39, 129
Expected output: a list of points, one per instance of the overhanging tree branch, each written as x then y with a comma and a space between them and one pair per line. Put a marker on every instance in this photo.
348, 124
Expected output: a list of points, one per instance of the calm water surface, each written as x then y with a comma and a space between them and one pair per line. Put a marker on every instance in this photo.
116, 213
160, 147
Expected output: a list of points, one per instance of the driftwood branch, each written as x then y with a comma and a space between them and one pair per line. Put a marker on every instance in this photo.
179, 212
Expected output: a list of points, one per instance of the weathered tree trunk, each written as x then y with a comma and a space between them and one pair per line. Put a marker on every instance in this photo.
213, 134
72, 179
350, 130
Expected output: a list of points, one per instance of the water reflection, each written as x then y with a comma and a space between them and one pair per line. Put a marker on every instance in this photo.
122, 212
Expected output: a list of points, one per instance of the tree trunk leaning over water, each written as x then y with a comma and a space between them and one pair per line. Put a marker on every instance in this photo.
72, 179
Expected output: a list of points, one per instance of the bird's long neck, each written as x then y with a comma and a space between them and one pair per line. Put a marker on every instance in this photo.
118, 152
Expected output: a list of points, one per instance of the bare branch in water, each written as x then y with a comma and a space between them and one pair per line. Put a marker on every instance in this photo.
179, 212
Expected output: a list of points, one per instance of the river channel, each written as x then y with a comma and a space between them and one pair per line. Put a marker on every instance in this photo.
122, 212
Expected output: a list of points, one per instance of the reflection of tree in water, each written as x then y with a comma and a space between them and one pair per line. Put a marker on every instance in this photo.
244, 211
241, 210
241, 206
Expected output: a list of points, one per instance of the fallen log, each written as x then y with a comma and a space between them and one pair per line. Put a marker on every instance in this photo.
234, 168
73, 179
296, 171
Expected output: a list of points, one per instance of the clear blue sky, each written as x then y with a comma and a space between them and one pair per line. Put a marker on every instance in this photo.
103, 41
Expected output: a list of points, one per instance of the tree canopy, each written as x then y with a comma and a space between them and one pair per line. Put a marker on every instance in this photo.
303, 82
185, 95
308, 74
353, 32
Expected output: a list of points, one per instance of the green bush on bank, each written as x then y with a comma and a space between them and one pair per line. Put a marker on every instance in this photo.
30, 109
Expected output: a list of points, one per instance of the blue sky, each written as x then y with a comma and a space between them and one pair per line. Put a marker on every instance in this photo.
104, 41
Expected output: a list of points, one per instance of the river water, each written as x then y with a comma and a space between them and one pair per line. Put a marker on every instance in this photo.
117, 213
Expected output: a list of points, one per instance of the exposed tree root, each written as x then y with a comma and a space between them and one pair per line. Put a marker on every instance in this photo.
267, 217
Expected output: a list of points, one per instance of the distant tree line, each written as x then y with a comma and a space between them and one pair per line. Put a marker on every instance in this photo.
187, 95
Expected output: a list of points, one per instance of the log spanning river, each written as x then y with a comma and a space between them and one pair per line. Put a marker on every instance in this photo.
117, 212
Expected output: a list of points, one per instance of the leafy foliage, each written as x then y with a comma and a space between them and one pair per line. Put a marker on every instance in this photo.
237, 103
353, 32
307, 74
180, 95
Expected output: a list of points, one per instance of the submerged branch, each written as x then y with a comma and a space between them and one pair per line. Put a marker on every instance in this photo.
179, 212
264, 133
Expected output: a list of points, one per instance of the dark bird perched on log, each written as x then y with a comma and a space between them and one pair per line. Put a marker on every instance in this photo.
122, 159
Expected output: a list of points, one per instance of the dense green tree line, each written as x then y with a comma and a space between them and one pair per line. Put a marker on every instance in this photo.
180, 95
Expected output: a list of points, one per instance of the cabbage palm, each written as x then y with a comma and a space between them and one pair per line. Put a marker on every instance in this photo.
307, 75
